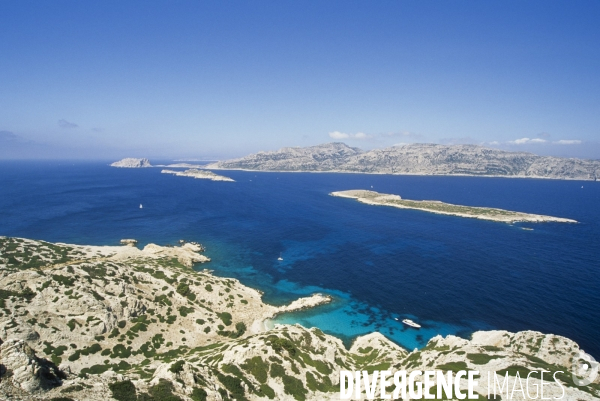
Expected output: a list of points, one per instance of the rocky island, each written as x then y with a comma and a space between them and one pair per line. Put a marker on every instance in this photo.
416, 159
200, 174
131, 162
122, 323
432, 206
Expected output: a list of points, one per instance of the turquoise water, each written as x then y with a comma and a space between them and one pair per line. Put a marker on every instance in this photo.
450, 274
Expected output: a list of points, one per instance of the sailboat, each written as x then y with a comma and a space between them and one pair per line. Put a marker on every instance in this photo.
141, 207
280, 258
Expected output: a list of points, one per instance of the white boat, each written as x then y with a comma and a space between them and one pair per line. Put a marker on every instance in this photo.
280, 258
410, 323
396, 318
141, 207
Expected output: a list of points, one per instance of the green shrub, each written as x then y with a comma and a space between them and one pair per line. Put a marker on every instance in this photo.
225, 317
257, 367
267, 390
482, 359
63, 280
453, 366
198, 394
294, 387
163, 391
123, 390
232, 384
177, 366
119, 351
72, 323
183, 289
184, 311
280, 344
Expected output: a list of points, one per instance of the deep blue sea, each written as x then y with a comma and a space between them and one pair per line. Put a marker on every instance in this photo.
453, 275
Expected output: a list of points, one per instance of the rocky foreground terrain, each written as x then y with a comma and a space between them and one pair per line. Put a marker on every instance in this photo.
419, 159
120, 323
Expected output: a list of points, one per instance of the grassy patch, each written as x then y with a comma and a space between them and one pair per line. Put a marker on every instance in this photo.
482, 359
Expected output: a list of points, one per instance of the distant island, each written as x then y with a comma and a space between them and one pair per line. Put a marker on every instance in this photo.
483, 213
201, 174
131, 162
416, 159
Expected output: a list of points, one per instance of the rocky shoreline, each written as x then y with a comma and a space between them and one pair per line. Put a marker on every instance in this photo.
122, 323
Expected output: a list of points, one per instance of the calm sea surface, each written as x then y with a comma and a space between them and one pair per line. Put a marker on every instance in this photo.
452, 275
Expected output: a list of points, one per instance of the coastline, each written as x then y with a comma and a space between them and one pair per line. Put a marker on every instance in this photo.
400, 174
120, 300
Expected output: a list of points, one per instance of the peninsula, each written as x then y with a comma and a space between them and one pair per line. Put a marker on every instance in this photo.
131, 162
416, 159
122, 323
200, 174
432, 206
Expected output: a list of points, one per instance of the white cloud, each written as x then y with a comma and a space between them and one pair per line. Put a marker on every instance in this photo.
343, 135
568, 142
338, 135
524, 141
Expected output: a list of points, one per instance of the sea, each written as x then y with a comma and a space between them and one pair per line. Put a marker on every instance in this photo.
452, 275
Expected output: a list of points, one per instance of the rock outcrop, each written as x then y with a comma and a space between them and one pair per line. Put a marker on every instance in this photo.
200, 174
417, 159
131, 162
20, 365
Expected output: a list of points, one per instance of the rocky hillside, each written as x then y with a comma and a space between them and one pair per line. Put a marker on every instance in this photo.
120, 323
421, 159
327, 157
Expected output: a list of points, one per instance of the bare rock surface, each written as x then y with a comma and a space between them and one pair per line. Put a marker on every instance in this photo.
25, 370
131, 162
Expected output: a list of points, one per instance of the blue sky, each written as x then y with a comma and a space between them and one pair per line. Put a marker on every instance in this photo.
104, 79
